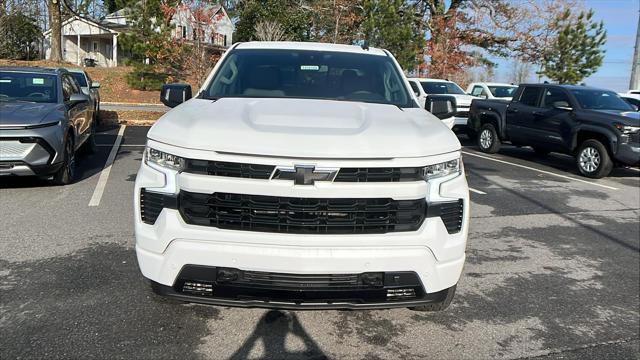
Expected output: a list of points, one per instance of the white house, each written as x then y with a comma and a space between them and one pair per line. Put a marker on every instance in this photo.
83, 38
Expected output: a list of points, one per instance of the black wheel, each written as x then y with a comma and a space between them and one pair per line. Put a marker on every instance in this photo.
541, 151
488, 140
89, 146
438, 306
593, 159
66, 173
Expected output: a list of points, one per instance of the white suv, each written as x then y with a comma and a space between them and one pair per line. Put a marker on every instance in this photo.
302, 176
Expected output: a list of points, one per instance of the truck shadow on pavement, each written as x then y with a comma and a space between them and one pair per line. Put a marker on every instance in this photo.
272, 330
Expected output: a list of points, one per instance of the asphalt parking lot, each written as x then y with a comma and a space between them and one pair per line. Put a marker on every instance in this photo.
552, 271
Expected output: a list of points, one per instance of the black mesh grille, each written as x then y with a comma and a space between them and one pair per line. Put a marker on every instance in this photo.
380, 174
298, 280
301, 215
230, 169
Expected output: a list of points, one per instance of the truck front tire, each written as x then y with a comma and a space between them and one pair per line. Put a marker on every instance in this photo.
488, 140
593, 159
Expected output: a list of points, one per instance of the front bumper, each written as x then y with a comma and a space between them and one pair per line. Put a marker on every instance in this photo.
165, 247
628, 153
28, 152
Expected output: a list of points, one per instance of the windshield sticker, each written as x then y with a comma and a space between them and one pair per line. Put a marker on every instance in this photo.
38, 81
309, 67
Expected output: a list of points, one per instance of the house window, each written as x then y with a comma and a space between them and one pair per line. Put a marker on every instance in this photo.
95, 46
225, 40
178, 31
184, 32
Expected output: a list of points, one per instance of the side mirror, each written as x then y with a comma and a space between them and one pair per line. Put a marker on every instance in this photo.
562, 105
442, 106
95, 85
78, 98
173, 95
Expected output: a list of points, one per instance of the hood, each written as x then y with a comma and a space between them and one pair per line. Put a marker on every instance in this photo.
24, 114
464, 100
304, 128
630, 118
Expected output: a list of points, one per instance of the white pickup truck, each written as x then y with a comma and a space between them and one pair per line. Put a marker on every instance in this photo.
302, 176
425, 88
499, 91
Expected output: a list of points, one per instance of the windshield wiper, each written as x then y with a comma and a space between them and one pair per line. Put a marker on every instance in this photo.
208, 97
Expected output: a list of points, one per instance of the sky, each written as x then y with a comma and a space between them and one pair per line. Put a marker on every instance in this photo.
621, 22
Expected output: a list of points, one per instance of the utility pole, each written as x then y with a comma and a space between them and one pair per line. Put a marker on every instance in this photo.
634, 83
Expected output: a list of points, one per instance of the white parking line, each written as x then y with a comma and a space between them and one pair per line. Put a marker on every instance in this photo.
122, 145
104, 174
540, 171
477, 191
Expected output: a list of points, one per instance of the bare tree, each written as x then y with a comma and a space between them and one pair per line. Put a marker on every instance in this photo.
270, 31
519, 72
55, 21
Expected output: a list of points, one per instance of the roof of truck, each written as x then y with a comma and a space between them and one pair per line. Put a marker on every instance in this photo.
33, 69
292, 45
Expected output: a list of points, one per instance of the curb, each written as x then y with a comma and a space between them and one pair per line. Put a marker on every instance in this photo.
130, 104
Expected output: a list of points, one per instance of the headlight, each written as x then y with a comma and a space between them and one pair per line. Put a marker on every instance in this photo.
627, 129
442, 169
163, 159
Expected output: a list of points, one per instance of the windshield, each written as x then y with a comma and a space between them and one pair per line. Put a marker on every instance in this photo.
29, 87
503, 91
261, 73
600, 100
82, 81
441, 87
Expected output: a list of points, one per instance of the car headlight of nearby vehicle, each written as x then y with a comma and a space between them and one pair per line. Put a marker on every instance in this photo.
443, 169
163, 159
626, 130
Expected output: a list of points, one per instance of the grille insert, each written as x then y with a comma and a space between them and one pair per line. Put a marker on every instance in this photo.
450, 212
380, 174
152, 203
301, 215
229, 169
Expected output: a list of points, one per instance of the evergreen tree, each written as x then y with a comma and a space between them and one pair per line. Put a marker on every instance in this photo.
20, 36
293, 18
391, 24
576, 52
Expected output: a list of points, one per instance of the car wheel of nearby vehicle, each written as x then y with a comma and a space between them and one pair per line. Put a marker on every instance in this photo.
541, 151
66, 173
89, 146
450, 292
593, 159
488, 140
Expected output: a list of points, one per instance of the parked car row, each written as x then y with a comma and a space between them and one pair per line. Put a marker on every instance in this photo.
46, 117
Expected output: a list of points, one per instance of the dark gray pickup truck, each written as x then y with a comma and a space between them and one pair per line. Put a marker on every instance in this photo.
595, 126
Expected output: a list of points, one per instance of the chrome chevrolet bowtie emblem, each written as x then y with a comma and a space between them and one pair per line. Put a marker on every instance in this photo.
304, 174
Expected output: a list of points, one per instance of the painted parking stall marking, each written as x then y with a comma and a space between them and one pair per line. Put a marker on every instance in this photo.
104, 174
539, 170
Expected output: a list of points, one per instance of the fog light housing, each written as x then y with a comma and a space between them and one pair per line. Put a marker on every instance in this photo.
400, 294
197, 288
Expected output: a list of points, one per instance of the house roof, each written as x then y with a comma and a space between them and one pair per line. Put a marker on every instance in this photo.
85, 20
